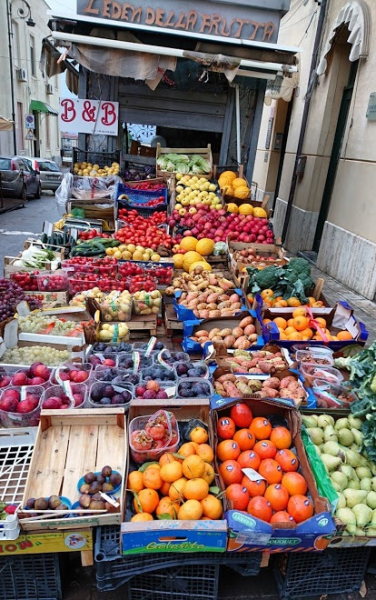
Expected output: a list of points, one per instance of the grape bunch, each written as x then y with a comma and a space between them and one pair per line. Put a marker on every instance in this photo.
10, 295
30, 354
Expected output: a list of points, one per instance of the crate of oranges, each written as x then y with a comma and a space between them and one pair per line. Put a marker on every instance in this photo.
169, 497
336, 327
270, 495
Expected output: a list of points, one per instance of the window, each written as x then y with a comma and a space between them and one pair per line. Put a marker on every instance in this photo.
5, 164
32, 55
16, 45
19, 127
48, 166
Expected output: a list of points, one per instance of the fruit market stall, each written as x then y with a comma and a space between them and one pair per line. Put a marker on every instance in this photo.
219, 410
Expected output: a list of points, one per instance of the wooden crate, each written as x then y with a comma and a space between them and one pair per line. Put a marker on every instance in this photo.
173, 325
69, 444
204, 152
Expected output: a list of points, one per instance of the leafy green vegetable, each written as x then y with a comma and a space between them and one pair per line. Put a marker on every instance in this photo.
182, 163
293, 279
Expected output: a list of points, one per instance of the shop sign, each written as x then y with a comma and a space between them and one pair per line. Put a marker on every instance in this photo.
40, 543
88, 116
206, 18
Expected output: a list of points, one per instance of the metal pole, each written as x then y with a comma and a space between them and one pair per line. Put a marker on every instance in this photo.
238, 134
9, 23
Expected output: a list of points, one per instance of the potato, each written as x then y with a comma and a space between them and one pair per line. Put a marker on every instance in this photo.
229, 341
225, 331
249, 329
234, 298
236, 306
214, 314
246, 321
242, 343
214, 332
271, 392
203, 314
237, 332
202, 333
273, 383
212, 306
212, 297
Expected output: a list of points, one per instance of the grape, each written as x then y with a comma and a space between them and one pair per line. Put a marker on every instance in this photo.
10, 295
30, 354
39, 324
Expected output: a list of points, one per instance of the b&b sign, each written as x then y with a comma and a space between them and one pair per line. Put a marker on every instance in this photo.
88, 116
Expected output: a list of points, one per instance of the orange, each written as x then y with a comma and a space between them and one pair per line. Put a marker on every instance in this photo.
301, 311
206, 452
311, 300
300, 508
255, 488
193, 466
176, 489
146, 500
226, 428
280, 322
250, 459
287, 460
270, 470
307, 333
196, 489
282, 335
231, 472
295, 336
212, 507
344, 335
238, 495
260, 508
245, 439
301, 323
141, 517
135, 481
265, 321
191, 510
290, 323
209, 473
282, 516
265, 449
321, 321
187, 449
164, 490
227, 450
281, 437
281, 331
280, 303
198, 435
171, 471
277, 495
166, 458
294, 483
266, 293
260, 428
166, 506
293, 301
289, 330
152, 478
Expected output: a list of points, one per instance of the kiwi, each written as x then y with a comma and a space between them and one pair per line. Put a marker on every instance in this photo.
106, 471
89, 477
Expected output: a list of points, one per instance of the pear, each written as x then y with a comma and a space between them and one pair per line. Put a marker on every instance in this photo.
330, 462
360, 532
330, 434
373, 483
353, 459
371, 532
345, 437
355, 422
336, 487
354, 497
347, 517
365, 484
363, 472
340, 479
371, 499
349, 472
324, 420
332, 448
316, 434
342, 424
373, 520
358, 436
319, 450
354, 484
310, 420
341, 501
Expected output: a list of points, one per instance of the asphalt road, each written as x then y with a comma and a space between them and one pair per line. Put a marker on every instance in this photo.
19, 224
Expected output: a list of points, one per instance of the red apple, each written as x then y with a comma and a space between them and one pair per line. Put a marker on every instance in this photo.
5, 380
37, 381
12, 393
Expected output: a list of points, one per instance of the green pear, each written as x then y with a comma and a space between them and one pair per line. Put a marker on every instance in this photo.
332, 448
354, 497
341, 501
358, 436
363, 514
330, 434
355, 422
371, 499
342, 423
310, 420
330, 462
324, 420
348, 518
363, 472
348, 471
340, 479
373, 483
316, 434
365, 484
345, 437
354, 484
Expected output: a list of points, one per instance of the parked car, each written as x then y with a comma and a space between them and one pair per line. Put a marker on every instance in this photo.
50, 173
18, 178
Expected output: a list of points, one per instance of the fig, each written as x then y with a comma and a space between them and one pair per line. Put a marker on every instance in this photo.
62, 506
107, 487
95, 487
41, 504
84, 488
115, 479
96, 497
101, 478
97, 505
106, 471
85, 500
53, 502
89, 477
30, 503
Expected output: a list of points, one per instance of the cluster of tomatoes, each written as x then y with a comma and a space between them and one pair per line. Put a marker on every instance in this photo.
85, 264
26, 280
150, 203
275, 492
147, 186
92, 233
142, 231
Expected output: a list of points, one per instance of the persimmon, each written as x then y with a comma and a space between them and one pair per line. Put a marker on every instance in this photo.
281, 437
300, 508
250, 459
277, 495
287, 459
227, 450
265, 449
294, 483
241, 414
260, 508
245, 439
261, 428
282, 516
271, 471
238, 495
231, 472
255, 488
226, 428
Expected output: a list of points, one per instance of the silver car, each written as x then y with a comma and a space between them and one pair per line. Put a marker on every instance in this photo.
50, 174
18, 179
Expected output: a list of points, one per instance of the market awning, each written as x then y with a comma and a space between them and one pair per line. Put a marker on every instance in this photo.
39, 106
6, 124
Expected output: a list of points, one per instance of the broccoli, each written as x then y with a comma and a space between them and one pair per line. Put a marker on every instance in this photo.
293, 279
264, 279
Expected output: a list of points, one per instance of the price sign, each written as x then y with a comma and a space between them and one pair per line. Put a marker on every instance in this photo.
89, 116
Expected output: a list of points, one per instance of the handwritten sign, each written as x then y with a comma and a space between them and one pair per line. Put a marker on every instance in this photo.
204, 18
88, 116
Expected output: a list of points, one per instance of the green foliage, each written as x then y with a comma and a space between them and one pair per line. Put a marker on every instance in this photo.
293, 279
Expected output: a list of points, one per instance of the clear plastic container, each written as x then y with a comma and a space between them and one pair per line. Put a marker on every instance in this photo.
166, 390
7, 374
99, 359
78, 389
153, 452
127, 360
314, 356
142, 346
73, 372
114, 348
332, 396
194, 387
150, 303
53, 281
158, 373
309, 348
310, 372
118, 309
197, 369
170, 357
109, 392
12, 396
115, 375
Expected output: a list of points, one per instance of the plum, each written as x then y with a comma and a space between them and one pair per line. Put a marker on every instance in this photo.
105, 400
194, 373
150, 395
108, 391
127, 396
181, 369
159, 346
117, 399
161, 395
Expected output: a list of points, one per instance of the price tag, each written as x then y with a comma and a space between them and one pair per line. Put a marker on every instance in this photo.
163, 362
136, 361
68, 390
151, 345
23, 393
252, 474
171, 391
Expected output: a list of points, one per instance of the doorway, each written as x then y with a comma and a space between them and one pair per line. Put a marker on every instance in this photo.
335, 155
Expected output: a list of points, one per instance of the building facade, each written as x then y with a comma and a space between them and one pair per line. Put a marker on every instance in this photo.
322, 174
24, 91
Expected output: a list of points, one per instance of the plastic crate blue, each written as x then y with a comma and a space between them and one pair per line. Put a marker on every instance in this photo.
333, 571
31, 577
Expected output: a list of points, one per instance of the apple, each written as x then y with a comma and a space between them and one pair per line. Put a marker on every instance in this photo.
78, 399
109, 362
8, 404
37, 381
40, 370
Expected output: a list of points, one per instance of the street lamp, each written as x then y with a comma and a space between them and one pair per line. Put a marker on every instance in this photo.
23, 12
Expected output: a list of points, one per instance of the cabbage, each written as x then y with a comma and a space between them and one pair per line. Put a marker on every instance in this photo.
182, 168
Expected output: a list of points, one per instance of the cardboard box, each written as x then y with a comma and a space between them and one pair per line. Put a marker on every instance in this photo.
249, 534
186, 314
173, 535
66, 447
10, 267
51, 299
204, 152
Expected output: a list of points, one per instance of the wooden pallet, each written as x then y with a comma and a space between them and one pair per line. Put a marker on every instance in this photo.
142, 326
173, 325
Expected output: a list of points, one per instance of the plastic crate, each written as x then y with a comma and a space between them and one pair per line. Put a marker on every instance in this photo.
100, 158
139, 197
34, 577
333, 571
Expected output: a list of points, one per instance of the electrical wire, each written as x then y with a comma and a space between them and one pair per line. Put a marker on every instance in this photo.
308, 26
292, 14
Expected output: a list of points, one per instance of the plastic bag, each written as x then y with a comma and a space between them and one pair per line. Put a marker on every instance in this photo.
323, 482
63, 193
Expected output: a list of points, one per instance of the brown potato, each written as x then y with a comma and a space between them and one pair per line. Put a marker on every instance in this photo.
249, 329
225, 331
237, 332
213, 332
246, 321
229, 341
